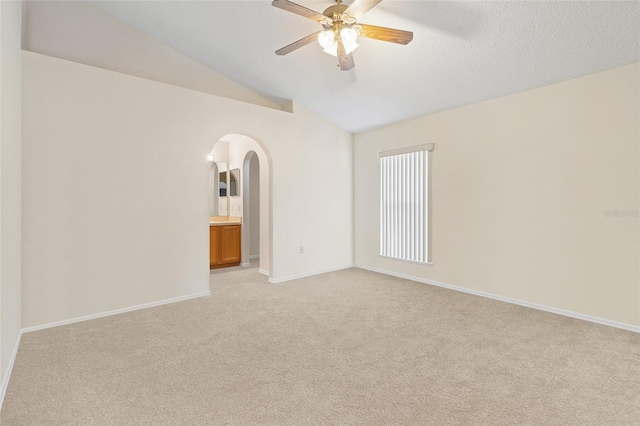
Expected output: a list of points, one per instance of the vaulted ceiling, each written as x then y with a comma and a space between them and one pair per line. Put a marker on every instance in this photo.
461, 53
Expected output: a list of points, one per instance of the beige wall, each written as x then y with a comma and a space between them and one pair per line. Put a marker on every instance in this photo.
115, 188
80, 32
10, 181
520, 186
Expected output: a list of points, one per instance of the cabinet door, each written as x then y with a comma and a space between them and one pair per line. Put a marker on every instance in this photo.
214, 245
230, 243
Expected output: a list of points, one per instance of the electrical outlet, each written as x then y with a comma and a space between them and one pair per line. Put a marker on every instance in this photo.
301, 249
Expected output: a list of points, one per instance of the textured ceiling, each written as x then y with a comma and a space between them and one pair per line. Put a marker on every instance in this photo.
461, 53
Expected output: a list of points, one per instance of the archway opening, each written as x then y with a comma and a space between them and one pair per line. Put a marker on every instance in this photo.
242, 165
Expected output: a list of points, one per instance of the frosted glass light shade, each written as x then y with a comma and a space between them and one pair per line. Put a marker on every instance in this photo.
332, 50
349, 36
327, 39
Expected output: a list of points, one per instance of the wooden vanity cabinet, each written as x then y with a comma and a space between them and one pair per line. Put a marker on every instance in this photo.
224, 246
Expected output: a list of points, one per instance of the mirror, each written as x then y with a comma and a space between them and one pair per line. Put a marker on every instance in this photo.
234, 177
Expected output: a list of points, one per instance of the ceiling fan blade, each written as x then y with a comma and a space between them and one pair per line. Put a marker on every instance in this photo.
386, 34
345, 62
298, 44
299, 10
360, 7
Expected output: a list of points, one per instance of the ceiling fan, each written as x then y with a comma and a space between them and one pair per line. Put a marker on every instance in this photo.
341, 29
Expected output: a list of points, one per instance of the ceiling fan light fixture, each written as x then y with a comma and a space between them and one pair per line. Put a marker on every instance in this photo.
341, 29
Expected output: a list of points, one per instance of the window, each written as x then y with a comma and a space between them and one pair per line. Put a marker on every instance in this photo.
404, 204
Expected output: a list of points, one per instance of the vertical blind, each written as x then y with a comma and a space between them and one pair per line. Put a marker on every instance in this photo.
404, 204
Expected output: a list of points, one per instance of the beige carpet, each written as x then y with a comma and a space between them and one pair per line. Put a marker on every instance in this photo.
350, 347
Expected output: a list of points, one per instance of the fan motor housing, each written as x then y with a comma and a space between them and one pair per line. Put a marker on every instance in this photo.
337, 9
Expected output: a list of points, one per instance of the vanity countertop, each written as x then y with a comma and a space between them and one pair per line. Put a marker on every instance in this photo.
225, 220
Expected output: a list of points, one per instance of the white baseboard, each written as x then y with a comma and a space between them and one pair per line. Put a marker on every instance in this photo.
116, 312
310, 274
263, 272
7, 375
584, 317
254, 256
245, 264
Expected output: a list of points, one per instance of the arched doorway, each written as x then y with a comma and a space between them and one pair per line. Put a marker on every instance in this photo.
246, 153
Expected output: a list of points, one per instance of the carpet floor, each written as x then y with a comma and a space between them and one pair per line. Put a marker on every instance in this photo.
348, 347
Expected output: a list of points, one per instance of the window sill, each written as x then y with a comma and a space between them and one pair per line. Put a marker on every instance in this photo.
407, 261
